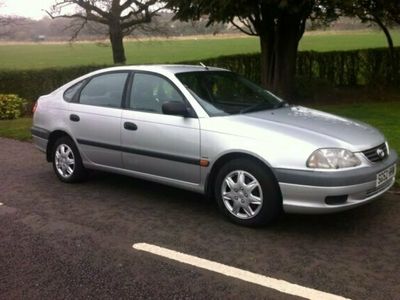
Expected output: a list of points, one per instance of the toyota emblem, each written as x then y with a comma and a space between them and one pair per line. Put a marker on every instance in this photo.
380, 153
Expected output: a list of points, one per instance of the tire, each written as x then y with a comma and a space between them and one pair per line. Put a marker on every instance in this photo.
256, 202
65, 154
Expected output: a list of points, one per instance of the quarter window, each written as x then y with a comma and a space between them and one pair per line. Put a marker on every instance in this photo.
149, 92
70, 93
104, 90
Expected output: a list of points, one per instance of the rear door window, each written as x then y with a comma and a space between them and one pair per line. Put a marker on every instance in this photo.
104, 90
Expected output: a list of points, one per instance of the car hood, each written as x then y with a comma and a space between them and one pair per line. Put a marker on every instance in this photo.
302, 123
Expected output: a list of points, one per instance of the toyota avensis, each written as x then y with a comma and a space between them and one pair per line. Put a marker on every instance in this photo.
212, 131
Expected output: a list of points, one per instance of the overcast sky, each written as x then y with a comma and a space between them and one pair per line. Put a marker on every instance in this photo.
26, 8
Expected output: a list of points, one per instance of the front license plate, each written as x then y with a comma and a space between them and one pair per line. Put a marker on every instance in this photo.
385, 175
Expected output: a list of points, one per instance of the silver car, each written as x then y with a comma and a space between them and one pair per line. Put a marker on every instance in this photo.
211, 131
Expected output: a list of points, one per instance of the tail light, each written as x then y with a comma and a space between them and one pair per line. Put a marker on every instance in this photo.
34, 107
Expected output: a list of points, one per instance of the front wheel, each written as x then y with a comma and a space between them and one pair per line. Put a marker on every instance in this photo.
67, 162
247, 193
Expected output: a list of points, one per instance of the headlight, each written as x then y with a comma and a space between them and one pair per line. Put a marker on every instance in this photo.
332, 159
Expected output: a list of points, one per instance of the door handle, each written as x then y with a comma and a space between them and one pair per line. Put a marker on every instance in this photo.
74, 118
130, 126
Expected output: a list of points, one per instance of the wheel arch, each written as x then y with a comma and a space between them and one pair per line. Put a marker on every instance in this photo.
225, 158
53, 137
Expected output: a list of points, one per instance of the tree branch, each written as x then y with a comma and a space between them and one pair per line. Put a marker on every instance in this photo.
91, 7
76, 30
248, 32
140, 18
126, 4
87, 17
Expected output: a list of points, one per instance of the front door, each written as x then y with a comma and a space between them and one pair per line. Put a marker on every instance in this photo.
155, 143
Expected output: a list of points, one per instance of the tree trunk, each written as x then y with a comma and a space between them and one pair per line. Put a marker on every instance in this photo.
286, 46
387, 34
117, 44
267, 61
279, 54
391, 65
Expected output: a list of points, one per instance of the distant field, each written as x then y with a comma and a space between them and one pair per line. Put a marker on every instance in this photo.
25, 56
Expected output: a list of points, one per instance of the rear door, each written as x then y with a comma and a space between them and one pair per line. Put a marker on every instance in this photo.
155, 143
95, 118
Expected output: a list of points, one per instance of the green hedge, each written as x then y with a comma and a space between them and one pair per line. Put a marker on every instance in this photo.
31, 84
338, 68
350, 68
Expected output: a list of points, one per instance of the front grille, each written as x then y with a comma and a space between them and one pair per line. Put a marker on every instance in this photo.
377, 153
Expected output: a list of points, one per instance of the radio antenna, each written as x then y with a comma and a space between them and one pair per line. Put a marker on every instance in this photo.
203, 65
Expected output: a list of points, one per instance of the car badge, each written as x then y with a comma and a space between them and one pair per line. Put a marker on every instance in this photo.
380, 153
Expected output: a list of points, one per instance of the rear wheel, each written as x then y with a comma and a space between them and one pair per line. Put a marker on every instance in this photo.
247, 193
67, 162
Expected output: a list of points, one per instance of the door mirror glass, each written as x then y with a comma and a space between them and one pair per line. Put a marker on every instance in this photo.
175, 108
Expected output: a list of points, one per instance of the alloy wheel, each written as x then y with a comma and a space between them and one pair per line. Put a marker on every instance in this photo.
64, 161
242, 194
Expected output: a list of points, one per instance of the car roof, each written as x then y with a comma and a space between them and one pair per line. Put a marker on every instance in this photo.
169, 68
161, 69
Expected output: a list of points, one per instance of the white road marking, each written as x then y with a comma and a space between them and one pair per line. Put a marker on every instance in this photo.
1, 204
269, 282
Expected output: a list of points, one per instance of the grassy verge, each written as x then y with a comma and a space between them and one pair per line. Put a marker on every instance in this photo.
16, 129
384, 116
44, 55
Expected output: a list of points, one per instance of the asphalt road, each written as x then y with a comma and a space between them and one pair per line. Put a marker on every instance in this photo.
60, 241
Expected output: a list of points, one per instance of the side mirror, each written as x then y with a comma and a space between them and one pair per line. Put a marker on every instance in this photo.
175, 108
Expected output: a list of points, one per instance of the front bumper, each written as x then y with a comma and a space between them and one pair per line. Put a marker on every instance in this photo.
307, 191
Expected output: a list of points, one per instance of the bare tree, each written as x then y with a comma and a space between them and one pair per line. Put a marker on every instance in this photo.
120, 17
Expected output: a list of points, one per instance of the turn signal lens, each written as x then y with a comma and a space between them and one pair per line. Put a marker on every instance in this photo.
204, 162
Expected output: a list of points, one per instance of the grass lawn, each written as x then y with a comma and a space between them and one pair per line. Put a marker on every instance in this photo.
384, 116
16, 129
26, 56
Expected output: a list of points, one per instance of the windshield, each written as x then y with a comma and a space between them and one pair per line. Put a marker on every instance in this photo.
223, 93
